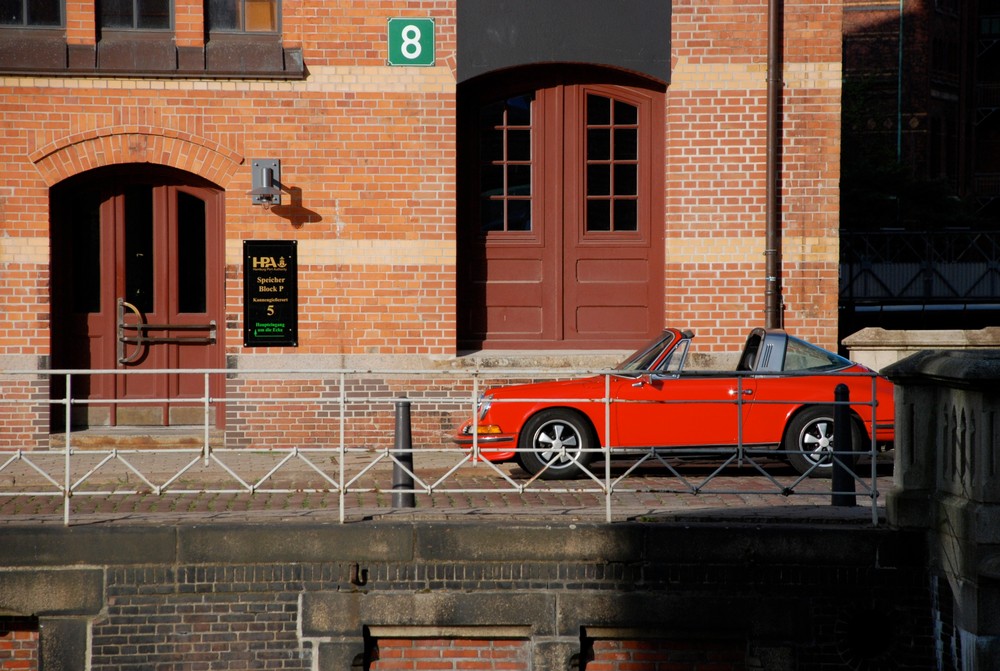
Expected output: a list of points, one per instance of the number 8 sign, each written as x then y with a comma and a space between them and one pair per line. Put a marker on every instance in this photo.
411, 41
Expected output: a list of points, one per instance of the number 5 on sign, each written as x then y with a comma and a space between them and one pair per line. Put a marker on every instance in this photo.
411, 41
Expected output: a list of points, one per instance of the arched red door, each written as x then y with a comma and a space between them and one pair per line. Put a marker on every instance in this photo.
137, 284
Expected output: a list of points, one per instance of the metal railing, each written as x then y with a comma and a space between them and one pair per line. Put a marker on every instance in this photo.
920, 267
335, 434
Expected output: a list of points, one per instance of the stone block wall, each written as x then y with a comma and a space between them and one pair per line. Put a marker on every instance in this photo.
539, 597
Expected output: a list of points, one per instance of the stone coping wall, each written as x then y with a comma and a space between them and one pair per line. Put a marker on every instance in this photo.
540, 596
878, 348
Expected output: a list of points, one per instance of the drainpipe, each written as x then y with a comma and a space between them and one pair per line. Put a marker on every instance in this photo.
772, 244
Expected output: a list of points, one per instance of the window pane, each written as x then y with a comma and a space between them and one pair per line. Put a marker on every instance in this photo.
625, 113
519, 145
491, 215
139, 247
626, 181
626, 217
519, 215
598, 110
519, 180
505, 164
116, 13
153, 14
191, 255
491, 145
598, 144
491, 115
519, 110
86, 270
598, 215
262, 15
599, 180
223, 15
11, 13
44, 13
492, 180
626, 144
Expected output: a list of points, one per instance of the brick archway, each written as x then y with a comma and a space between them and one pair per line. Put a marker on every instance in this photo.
87, 150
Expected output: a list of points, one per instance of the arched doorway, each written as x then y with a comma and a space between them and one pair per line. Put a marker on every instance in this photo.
561, 206
137, 284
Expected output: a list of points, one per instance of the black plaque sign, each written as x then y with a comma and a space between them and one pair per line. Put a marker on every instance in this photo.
270, 294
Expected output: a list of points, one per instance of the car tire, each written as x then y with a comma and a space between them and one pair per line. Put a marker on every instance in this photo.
555, 444
808, 441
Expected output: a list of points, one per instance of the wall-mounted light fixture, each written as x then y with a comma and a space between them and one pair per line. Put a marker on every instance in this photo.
266, 182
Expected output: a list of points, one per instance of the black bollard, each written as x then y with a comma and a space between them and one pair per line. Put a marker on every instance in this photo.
402, 452
843, 450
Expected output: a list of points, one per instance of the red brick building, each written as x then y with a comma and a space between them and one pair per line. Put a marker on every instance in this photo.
453, 177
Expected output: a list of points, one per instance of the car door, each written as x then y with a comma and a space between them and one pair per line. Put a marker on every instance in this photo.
704, 409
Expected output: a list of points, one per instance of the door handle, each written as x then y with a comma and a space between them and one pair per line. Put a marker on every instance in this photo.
142, 339
745, 392
136, 354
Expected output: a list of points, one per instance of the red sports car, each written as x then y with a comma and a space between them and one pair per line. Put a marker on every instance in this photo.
779, 397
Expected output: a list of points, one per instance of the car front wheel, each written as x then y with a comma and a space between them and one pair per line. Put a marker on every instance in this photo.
555, 445
809, 441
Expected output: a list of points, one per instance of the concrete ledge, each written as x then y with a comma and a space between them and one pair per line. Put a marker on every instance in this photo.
42, 593
878, 348
61, 546
539, 542
299, 543
345, 614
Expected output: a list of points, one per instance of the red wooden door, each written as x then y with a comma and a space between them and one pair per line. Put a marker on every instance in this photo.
612, 251
137, 285
560, 240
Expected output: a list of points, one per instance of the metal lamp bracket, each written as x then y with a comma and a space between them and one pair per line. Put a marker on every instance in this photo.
266, 181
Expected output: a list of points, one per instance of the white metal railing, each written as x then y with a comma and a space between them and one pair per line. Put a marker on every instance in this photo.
332, 434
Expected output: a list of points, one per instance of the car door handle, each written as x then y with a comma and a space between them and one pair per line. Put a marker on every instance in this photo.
746, 392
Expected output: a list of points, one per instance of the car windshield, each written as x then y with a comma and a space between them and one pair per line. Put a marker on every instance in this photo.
800, 355
644, 358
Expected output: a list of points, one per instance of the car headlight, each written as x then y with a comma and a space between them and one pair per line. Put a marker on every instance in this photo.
484, 404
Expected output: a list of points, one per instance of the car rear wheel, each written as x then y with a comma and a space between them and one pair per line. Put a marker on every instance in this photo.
809, 441
554, 445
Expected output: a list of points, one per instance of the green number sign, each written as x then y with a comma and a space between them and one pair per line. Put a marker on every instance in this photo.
411, 41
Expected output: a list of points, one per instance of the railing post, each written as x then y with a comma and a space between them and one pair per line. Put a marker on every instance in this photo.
402, 452
843, 450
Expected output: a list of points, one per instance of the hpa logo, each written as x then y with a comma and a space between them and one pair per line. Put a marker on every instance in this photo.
268, 263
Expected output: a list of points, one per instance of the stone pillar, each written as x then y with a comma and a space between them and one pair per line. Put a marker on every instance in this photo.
947, 480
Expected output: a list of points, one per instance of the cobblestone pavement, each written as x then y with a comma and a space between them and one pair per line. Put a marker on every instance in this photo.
246, 488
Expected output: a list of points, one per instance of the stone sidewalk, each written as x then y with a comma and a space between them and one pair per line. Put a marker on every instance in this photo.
239, 487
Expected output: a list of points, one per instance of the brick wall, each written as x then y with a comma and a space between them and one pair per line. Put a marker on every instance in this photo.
654, 655
444, 654
18, 644
716, 161
368, 155
370, 151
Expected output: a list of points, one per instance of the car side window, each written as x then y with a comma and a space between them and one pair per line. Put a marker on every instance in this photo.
674, 363
749, 357
800, 355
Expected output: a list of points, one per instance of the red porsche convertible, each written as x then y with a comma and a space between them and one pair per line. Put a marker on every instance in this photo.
779, 398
